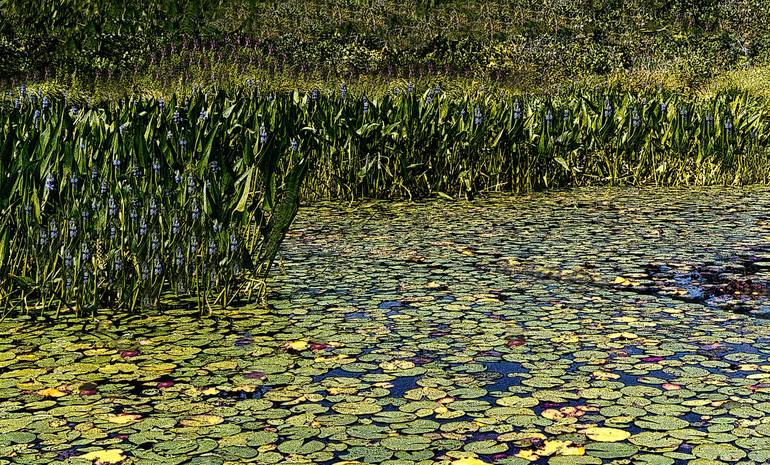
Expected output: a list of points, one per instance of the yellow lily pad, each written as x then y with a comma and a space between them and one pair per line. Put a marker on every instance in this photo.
297, 346
607, 434
107, 456
201, 420
51, 392
124, 418
469, 461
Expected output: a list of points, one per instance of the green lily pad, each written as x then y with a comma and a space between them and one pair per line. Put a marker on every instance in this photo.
487, 447
367, 431
368, 454
406, 443
725, 452
655, 440
357, 408
661, 423
650, 459
574, 460
611, 450
299, 446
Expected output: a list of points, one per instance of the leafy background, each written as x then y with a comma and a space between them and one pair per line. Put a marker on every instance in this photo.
527, 44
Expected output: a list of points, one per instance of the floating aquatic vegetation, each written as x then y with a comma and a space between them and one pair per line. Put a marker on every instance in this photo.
596, 374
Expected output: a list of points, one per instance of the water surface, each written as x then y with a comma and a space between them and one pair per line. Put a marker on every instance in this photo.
510, 330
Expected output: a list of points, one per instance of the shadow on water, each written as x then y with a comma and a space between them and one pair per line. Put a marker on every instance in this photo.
505, 370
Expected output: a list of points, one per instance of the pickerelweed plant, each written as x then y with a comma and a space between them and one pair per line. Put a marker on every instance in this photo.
409, 144
117, 205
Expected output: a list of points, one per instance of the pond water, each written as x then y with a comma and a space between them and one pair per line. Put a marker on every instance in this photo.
591, 326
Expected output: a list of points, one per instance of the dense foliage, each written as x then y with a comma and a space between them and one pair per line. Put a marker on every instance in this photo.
529, 44
415, 145
114, 205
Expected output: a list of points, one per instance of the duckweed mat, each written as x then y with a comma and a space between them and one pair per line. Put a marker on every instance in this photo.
585, 327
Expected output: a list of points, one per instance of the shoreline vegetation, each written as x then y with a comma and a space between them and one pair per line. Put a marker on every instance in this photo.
135, 198
395, 232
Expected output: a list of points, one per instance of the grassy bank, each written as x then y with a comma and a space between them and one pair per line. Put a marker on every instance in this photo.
526, 46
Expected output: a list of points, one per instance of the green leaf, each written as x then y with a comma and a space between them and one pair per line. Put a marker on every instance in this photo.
246, 193
4, 245
228, 111
24, 281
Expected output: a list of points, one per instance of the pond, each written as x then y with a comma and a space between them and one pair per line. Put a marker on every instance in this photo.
582, 327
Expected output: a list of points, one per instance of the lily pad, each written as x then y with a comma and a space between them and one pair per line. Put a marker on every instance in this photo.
607, 434
106, 456
661, 423
406, 443
201, 420
724, 452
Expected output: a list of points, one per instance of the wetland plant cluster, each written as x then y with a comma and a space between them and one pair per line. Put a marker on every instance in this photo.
409, 144
115, 203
